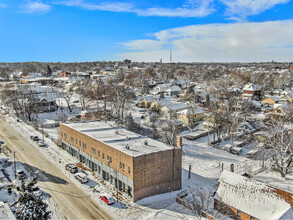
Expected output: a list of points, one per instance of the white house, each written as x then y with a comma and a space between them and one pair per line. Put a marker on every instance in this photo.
169, 111
173, 91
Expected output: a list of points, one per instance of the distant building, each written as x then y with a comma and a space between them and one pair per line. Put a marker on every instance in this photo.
251, 90
137, 165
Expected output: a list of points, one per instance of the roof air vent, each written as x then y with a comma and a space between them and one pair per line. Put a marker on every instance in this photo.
145, 142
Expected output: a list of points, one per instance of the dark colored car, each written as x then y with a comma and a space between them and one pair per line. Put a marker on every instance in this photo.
72, 168
34, 138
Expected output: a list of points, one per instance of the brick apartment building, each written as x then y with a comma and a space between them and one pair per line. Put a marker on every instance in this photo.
138, 165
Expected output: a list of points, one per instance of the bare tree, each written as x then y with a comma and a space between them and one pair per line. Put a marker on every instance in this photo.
279, 145
170, 132
67, 96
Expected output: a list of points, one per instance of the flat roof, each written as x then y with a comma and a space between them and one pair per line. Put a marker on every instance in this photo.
119, 138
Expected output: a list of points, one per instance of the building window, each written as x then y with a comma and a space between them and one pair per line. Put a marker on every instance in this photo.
103, 156
120, 165
99, 154
80, 143
128, 170
76, 141
72, 139
110, 159
123, 166
84, 146
252, 218
65, 136
61, 134
94, 151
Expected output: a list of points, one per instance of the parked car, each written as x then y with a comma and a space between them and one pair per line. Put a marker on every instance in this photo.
20, 174
34, 138
81, 178
97, 188
236, 150
107, 199
36, 191
72, 168
41, 143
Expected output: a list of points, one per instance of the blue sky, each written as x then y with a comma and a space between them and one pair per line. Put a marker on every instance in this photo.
146, 30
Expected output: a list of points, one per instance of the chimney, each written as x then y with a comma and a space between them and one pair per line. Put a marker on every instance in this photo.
232, 167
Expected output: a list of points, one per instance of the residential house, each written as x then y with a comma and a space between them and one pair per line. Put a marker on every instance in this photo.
158, 103
277, 92
282, 110
243, 198
190, 115
288, 98
135, 165
169, 111
46, 103
160, 88
173, 91
251, 90
145, 101
270, 101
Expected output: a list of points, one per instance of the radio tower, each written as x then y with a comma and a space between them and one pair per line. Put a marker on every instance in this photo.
170, 56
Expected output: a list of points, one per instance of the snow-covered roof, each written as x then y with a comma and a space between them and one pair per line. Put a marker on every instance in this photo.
48, 97
174, 89
251, 87
150, 98
163, 101
119, 138
176, 106
276, 99
252, 197
191, 111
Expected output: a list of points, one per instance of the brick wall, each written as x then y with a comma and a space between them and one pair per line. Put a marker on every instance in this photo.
157, 173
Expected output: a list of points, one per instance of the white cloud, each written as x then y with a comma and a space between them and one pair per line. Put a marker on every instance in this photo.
36, 7
191, 8
143, 45
243, 8
104, 6
237, 42
3, 5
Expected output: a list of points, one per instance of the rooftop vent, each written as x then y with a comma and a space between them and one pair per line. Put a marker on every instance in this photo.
127, 146
116, 132
145, 142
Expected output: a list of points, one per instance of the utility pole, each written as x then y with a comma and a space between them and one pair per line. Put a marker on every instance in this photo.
14, 164
43, 131
117, 185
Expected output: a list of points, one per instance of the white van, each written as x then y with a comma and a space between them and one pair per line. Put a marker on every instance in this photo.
81, 177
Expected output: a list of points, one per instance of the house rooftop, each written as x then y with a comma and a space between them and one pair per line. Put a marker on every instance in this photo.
176, 106
119, 138
252, 197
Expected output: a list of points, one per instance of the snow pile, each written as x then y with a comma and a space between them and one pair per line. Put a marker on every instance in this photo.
252, 197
